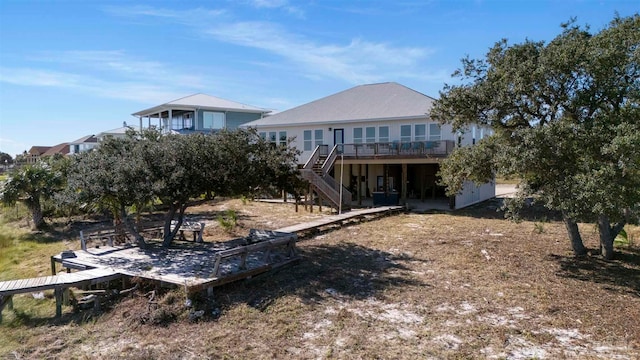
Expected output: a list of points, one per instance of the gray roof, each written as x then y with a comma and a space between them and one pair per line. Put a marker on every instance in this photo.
85, 139
118, 131
201, 101
385, 101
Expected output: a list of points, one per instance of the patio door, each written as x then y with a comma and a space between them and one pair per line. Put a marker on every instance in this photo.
338, 139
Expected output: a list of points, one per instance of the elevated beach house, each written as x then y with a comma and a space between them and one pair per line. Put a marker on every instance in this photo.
378, 142
199, 113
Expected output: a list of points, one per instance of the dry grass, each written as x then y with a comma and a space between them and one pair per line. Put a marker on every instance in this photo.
463, 285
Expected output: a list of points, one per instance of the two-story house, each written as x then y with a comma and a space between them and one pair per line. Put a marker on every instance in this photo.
38, 152
199, 113
378, 141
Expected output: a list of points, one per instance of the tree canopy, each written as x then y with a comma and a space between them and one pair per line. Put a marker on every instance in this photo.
565, 117
5, 159
34, 184
174, 169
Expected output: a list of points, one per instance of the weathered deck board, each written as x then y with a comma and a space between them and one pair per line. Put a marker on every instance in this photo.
333, 219
64, 280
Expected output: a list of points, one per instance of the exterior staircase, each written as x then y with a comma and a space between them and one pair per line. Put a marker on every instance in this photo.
316, 172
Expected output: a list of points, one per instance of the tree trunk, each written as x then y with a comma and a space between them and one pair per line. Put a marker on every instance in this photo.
36, 215
168, 234
131, 228
608, 234
574, 236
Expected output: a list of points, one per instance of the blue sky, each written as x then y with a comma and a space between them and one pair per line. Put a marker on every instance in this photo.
75, 68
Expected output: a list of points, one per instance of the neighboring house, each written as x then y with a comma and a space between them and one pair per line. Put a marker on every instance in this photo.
83, 144
33, 155
390, 146
62, 149
199, 113
113, 133
37, 152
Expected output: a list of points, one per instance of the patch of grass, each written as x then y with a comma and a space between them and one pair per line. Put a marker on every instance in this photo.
6, 240
229, 220
24, 254
455, 285
627, 237
538, 228
510, 181
13, 214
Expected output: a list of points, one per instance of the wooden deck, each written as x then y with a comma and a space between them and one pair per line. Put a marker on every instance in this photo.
340, 219
192, 265
196, 266
59, 283
75, 279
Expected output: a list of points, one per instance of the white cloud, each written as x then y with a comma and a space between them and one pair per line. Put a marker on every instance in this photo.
355, 61
278, 4
119, 64
185, 16
112, 74
146, 92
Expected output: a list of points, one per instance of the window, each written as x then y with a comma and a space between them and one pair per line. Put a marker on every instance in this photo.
435, 132
187, 121
283, 138
420, 132
176, 123
319, 137
263, 135
405, 133
371, 134
272, 137
357, 135
383, 134
213, 120
307, 141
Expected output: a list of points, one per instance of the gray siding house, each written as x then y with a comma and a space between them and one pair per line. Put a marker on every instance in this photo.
378, 141
199, 113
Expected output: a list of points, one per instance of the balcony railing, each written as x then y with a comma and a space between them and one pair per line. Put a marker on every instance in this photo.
440, 148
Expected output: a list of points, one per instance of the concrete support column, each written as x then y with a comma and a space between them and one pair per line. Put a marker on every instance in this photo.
404, 183
358, 184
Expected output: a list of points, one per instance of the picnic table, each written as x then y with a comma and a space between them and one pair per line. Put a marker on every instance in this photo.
194, 227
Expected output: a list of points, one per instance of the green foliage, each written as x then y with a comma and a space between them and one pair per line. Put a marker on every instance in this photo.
33, 185
115, 176
127, 174
5, 159
229, 220
566, 121
468, 163
538, 228
624, 239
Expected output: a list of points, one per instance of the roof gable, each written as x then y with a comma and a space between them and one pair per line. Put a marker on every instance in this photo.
382, 101
39, 150
57, 149
119, 131
85, 139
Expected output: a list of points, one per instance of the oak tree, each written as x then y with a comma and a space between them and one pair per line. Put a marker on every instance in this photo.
565, 117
